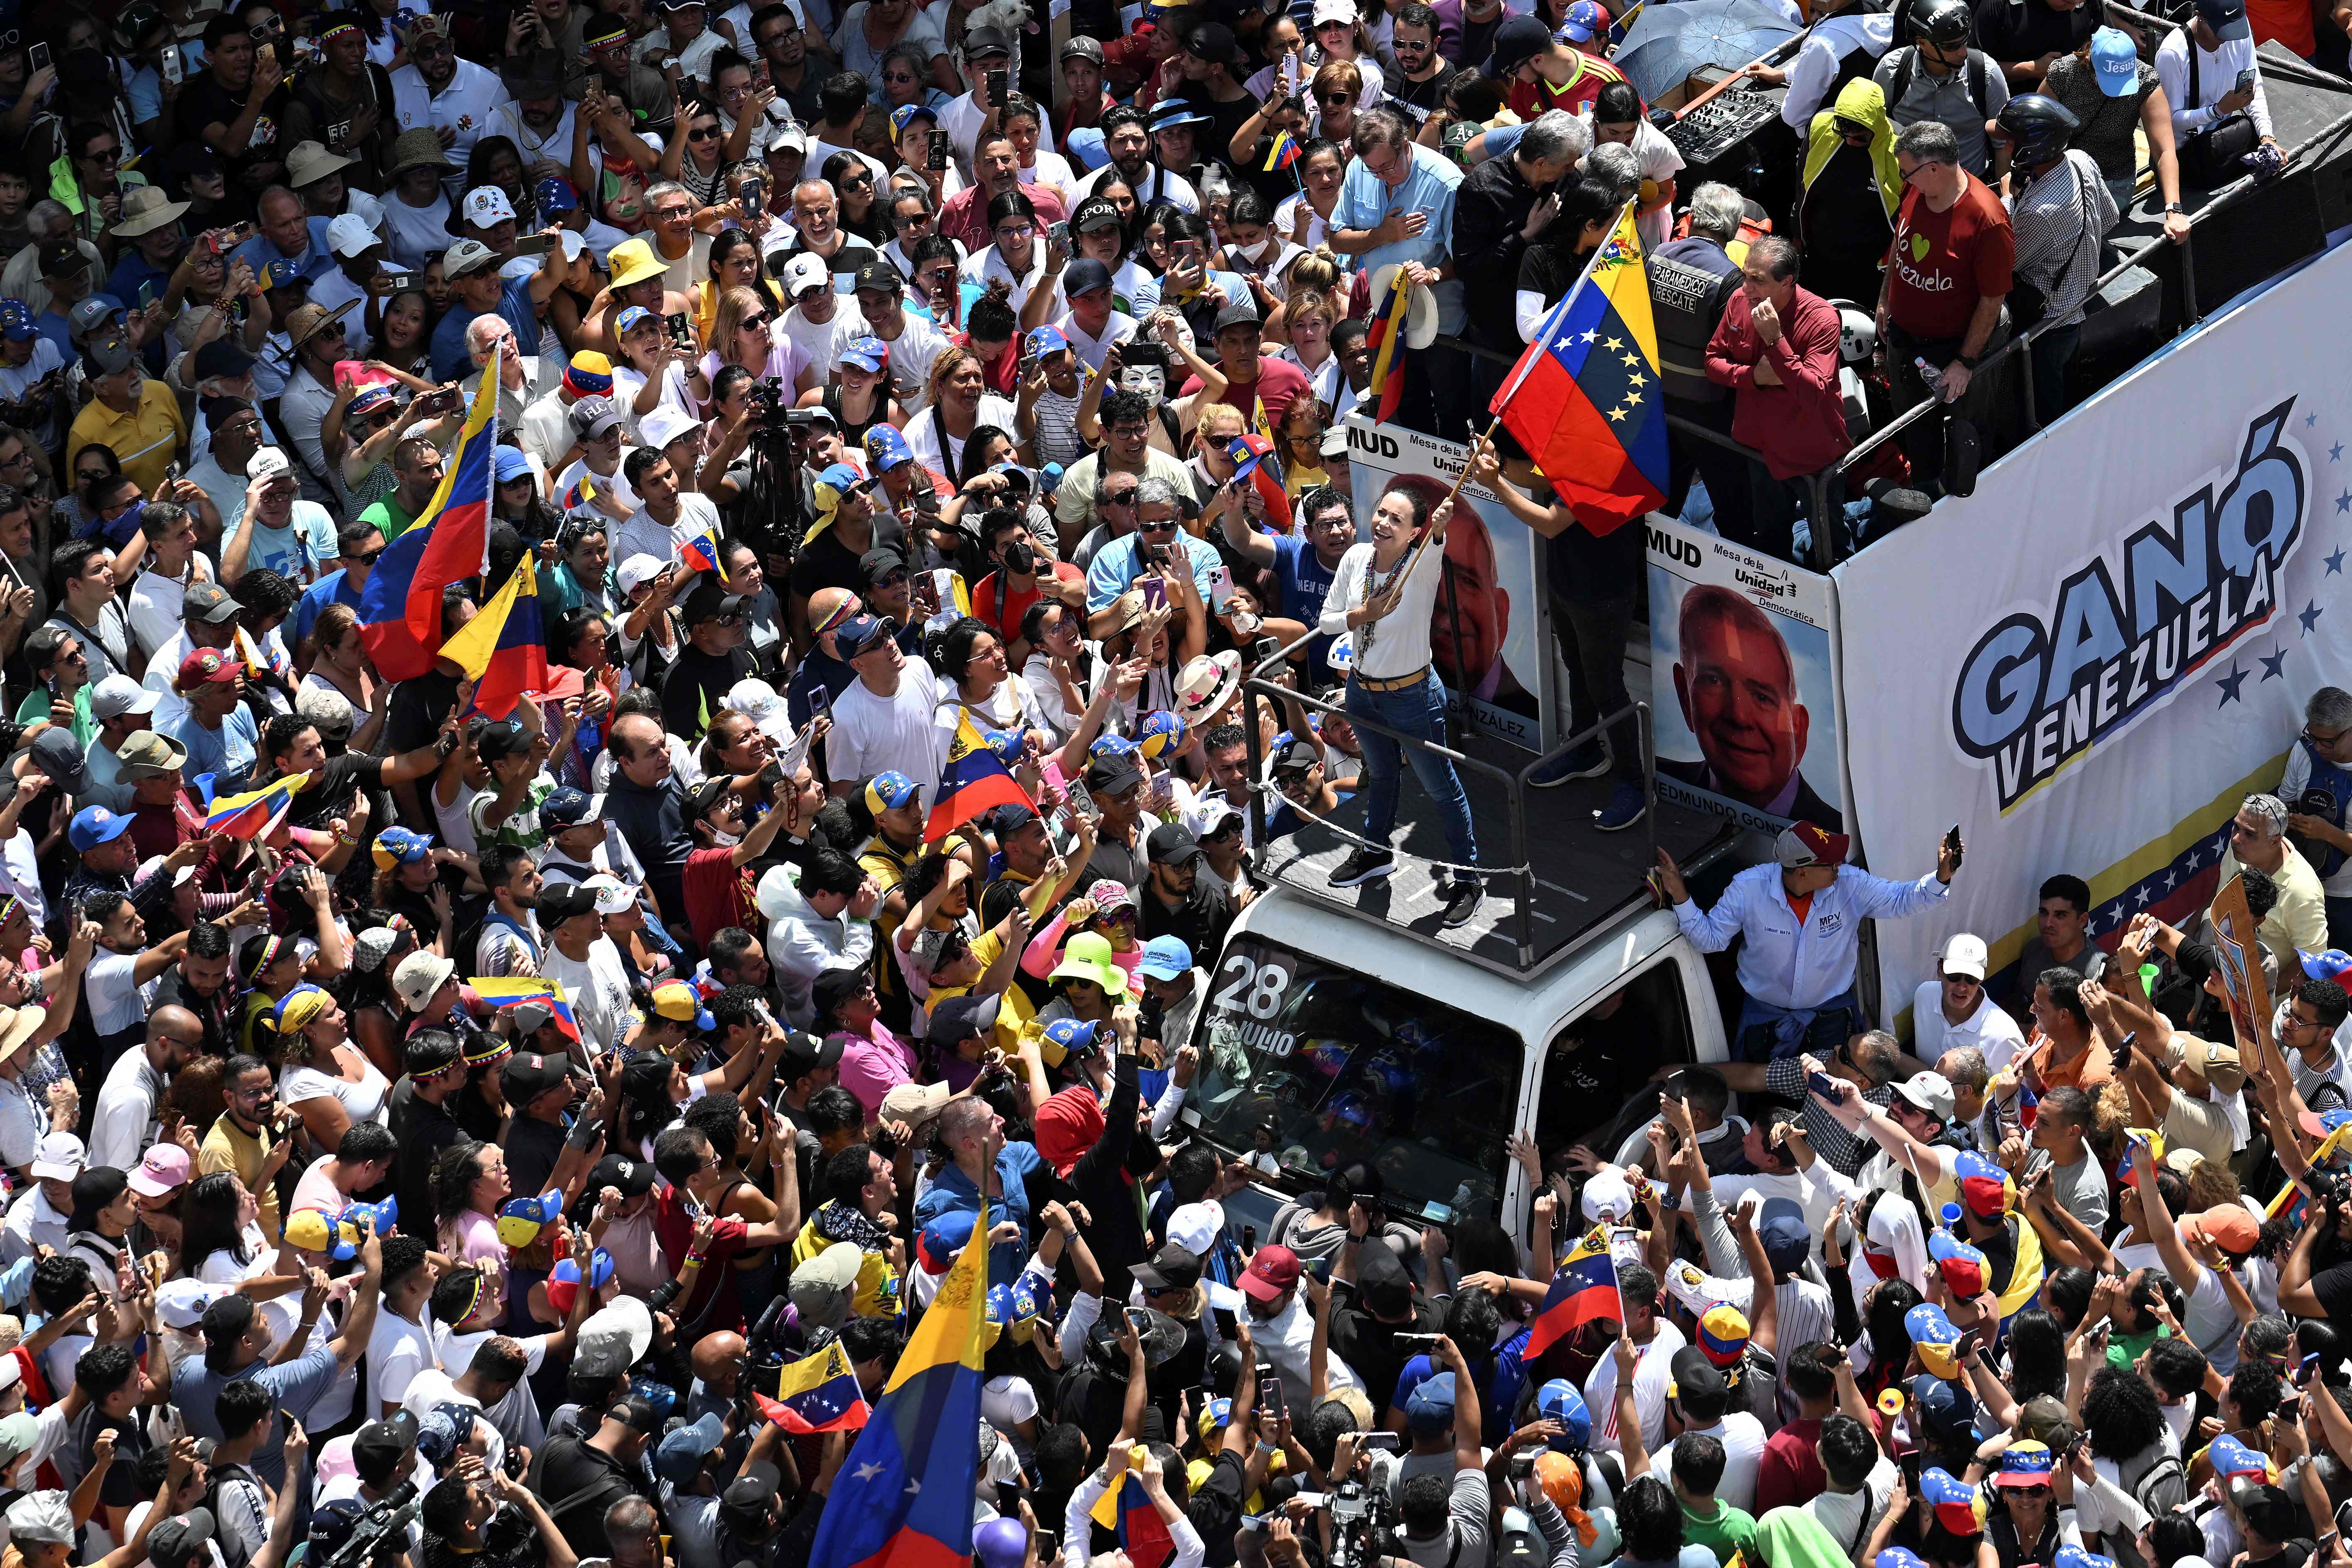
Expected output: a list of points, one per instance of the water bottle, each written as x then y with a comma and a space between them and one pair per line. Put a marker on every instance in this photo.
1931, 375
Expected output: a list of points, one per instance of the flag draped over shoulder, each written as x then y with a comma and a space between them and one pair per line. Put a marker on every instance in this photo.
1583, 1291
1584, 399
504, 648
1384, 335
903, 1498
400, 609
975, 780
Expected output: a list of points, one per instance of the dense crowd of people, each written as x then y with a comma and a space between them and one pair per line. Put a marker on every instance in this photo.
463, 1157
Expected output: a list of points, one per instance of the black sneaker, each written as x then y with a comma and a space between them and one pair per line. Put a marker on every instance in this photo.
1363, 867
1462, 901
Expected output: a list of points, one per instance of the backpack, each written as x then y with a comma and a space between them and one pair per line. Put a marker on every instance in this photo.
1977, 72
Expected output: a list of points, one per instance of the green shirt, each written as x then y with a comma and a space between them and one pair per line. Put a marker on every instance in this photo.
35, 708
388, 515
1729, 1532
2124, 1350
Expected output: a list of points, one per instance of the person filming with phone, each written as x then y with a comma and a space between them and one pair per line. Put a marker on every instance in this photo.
1802, 918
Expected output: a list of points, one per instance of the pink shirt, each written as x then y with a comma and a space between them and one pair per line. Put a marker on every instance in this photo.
872, 1066
477, 1239
315, 1191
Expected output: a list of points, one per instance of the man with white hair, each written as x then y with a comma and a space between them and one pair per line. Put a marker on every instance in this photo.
48, 222
2258, 839
523, 378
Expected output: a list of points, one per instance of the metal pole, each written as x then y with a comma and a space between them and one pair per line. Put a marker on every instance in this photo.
2032, 421
2189, 312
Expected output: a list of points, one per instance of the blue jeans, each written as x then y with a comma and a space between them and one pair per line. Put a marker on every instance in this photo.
1416, 710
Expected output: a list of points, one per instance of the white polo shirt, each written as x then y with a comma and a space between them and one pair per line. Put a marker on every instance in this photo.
1988, 1028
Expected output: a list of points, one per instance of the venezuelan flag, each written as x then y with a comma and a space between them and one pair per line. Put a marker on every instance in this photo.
1128, 1512
700, 554
400, 609
1284, 153
1253, 459
1384, 334
820, 1394
1583, 1291
583, 491
504, 648
975, 781
510, 992
904, 1496
249, 815
1584, 399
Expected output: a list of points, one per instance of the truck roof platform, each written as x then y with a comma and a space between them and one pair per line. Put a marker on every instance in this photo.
1582, 878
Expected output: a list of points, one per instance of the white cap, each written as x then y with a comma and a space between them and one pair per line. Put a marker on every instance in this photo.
1930, 1092
803, 272
1335, 11
637, 571
573, 243
268, 463
1965, 954
486, 205
59, 1158
350, 236
118, 694
790, 138
613, 895
666, 425
1608, 1197
1196, 1227
757, 700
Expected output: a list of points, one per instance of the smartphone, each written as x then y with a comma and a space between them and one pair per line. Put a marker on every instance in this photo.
1162, 792
146, 294
534, 244
239, 233
1952, 839
2131, 1041
1377, 1442
1059, 233
2245, 78
943, 585
1000, 88
169, 64
1321, 1268
1822, 1084
1155, 593
1269, 1393
339, 132
1418, 1339
755, 196
1140, 1318
1249, 1239
171, 473
1081, 800
678, 333
936, 158
38, 57
1221, 589
402, 281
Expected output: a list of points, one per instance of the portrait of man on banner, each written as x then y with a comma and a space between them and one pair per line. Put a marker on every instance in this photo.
1736, 684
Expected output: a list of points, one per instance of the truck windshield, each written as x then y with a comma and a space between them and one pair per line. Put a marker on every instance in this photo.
1306, 1066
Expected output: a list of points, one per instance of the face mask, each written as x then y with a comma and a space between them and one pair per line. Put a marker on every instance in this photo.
1020, 560
1149, 380
725, 841
1254, 253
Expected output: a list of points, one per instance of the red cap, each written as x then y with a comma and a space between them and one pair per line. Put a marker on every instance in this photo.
205, 665
1271, 1271
2229, 1227
1802, 844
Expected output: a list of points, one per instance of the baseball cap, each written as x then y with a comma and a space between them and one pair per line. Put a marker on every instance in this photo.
2233, 1459
1241, 313
2115, 61
525, 1076
1519, 40
349, 236
806, 273
631, 1178
1166, 957
486, 205
1984, 1186
711, 602
1958, 1506
2226, 18
885, 448
1967, 1273
982, 43
1172, 1267
16, 320
1560, 1400
878, 278
57, 753
1086, 275
1270, 1271
2230, 1227
2025, 1463
1044, 342
1430, 1408
868, 353
1966, 955
94, 825
59, 258
1930, 1092
858, 635
676, 1001
209, 601
1170, 845
59, 1157
889, 791
267, 463
164, 1169
592, 416
1583, 23
1802, 844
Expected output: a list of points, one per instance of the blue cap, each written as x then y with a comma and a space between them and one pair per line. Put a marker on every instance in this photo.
906, 112
1008, 744
1584, 22
1088, 147
1071, 1034
888, 792
2076, 1557
2231, 1457
1108, 745
1430, 1408
567, 808
842, 478
16, 320
885, 448
1084, 276
1941, 1405
510, 464
555, 194
1043, 341
867, 353
1899, 1557
1780, 1225
633, 316
943, 1237
405, 846
1165, 958
2115, 61
94, 825
1558, 1401
680, 1457
856, 635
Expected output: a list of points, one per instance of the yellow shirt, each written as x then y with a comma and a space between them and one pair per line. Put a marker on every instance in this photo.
147, 439
1015, 1012
875, 1297
227, 1148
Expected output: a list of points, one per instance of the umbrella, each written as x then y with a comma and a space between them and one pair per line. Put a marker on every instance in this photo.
1669, 41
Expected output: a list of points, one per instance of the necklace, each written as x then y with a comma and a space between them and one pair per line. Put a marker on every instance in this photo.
1374, 586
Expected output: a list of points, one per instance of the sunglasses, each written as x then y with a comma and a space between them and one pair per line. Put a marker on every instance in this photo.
1333, 96
103, 154
1166, 525
369, 559
699, 133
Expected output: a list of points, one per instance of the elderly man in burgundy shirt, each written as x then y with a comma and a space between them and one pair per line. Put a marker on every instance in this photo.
1776, 348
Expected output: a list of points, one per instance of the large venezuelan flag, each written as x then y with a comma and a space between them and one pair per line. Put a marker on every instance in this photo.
400, 609
975, 780
904, 1496
504, 648
1583, 1291
1584, 399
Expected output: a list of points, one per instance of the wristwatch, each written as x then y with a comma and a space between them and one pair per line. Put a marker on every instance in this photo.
2171, 207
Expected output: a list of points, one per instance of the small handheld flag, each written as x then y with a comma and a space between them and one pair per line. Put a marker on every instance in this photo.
1284, 151
252, 813
513, 992
1385, 337
820, 1394
504, 648
700, 554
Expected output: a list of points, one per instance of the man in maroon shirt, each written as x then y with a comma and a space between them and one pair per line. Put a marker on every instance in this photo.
1776, 347
1790, 1473
699, 1185
1251, 381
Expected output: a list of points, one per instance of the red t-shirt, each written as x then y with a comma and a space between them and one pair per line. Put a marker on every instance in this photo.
1790, 1474
1942, 263
1530, 99
2287, 21
1004, 617
718, 893
674, 1230
1279, 381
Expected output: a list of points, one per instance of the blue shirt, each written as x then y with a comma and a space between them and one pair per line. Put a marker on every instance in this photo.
953, 1193
1306, 582
334, 588
1364, 202
227, 752
1116, 565
261, 251
1793, 966
58, 331
294, 1388
451, 362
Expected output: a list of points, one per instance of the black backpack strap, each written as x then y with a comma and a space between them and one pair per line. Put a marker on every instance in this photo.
2192, 42
1903, 64
1980, 89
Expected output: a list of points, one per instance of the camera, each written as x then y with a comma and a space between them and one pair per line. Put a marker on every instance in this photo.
1360, 1525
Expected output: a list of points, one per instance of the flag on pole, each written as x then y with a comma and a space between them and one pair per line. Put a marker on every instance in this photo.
504, 648
700, 554
903, 1498
400, 609
1583, 1291
513, 992
1281, 154
252, 813
1584, 399
820, 1394
1384, 335
975, 780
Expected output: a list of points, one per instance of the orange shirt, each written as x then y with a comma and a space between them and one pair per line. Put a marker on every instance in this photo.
2094, 1068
